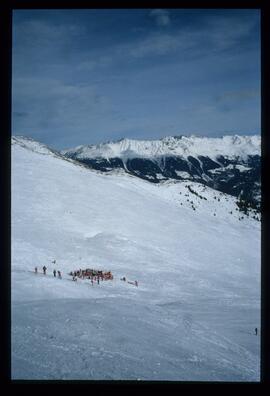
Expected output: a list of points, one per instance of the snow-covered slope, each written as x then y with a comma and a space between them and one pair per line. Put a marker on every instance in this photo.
32, 145
193, 315
230, 146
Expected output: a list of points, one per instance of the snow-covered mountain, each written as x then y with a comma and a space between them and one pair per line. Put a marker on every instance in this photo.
196, 258
183, 146
229, 164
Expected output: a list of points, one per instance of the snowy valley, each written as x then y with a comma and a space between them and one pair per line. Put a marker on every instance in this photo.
195, 256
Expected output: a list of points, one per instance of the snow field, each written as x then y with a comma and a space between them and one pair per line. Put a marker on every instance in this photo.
198, 301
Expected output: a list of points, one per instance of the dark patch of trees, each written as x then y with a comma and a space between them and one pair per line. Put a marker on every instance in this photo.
195, 193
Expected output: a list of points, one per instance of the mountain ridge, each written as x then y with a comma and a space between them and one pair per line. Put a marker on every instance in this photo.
182, 146
229, 164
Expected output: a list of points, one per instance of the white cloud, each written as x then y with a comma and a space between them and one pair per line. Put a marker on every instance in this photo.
161, 16
217, 35
91, 64
160, 44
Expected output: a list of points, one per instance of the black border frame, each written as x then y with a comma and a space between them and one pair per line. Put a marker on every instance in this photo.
6, 9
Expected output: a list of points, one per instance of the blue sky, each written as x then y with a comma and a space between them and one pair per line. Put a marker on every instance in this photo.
89, 76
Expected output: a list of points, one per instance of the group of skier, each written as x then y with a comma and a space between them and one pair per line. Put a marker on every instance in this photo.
44, 268
93, 275
96, 276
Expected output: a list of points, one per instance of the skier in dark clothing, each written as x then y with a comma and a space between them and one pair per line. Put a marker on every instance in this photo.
256, 331
54, 273
44, 270
59, 274
35, 270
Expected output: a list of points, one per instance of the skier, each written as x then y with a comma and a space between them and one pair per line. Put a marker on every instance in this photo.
54, 273
59, 274
54, 261
136, 283
256, 331
35, 270
98, 280
44, 270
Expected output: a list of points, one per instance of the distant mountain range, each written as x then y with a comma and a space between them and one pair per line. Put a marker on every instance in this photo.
231, 164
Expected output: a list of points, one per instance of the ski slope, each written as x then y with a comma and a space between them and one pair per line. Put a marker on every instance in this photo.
193, 315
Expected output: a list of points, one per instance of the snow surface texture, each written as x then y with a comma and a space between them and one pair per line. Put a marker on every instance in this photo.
193, 315
229, 146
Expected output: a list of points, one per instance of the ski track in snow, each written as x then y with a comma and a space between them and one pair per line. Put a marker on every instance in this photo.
198, 302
